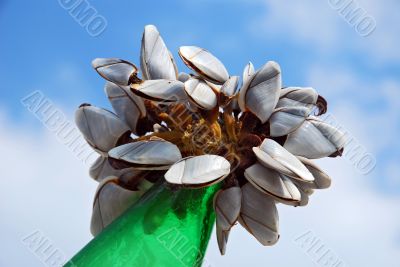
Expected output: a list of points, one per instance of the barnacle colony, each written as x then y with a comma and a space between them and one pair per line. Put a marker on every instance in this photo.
202, 128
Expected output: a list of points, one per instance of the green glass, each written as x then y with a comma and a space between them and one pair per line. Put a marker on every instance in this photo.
164, 228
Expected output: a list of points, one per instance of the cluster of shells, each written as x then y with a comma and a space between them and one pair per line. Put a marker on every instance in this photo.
198, 129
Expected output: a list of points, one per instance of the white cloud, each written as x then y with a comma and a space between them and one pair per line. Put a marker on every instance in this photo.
392, 172
299, 20
317, 25
352, 99
44, 187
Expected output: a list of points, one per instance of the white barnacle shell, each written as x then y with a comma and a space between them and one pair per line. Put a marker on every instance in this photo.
101, 128
115, 70
128, 106
222, 238
273, 155
297, 96
143, 155
287, 119
204, 63
259, 216
156, 61
230, 86
273, 183
160, 90
228, 91
227, 204
183, 77
305, 195
260, 93
102, 169
248, 72
216, 87
110, 201
315, 139
198, 171
321, 179
201, 93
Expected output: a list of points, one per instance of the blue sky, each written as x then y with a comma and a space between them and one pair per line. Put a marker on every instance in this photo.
43, 48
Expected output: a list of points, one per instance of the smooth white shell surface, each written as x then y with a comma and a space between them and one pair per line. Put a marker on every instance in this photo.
273, 155
204, 63
147, 153
198, 170
315, 139
261, 92
129, 107
286, 120
114, 70
101, 128
259, 215
156, 60
201, 94
161, 90
272, 183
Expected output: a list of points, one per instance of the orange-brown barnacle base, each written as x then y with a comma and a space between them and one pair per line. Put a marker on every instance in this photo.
216, 131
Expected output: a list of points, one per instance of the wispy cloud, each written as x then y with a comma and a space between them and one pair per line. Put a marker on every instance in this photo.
317, 25
43, 186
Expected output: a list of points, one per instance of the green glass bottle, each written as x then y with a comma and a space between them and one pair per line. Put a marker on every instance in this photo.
164, 228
